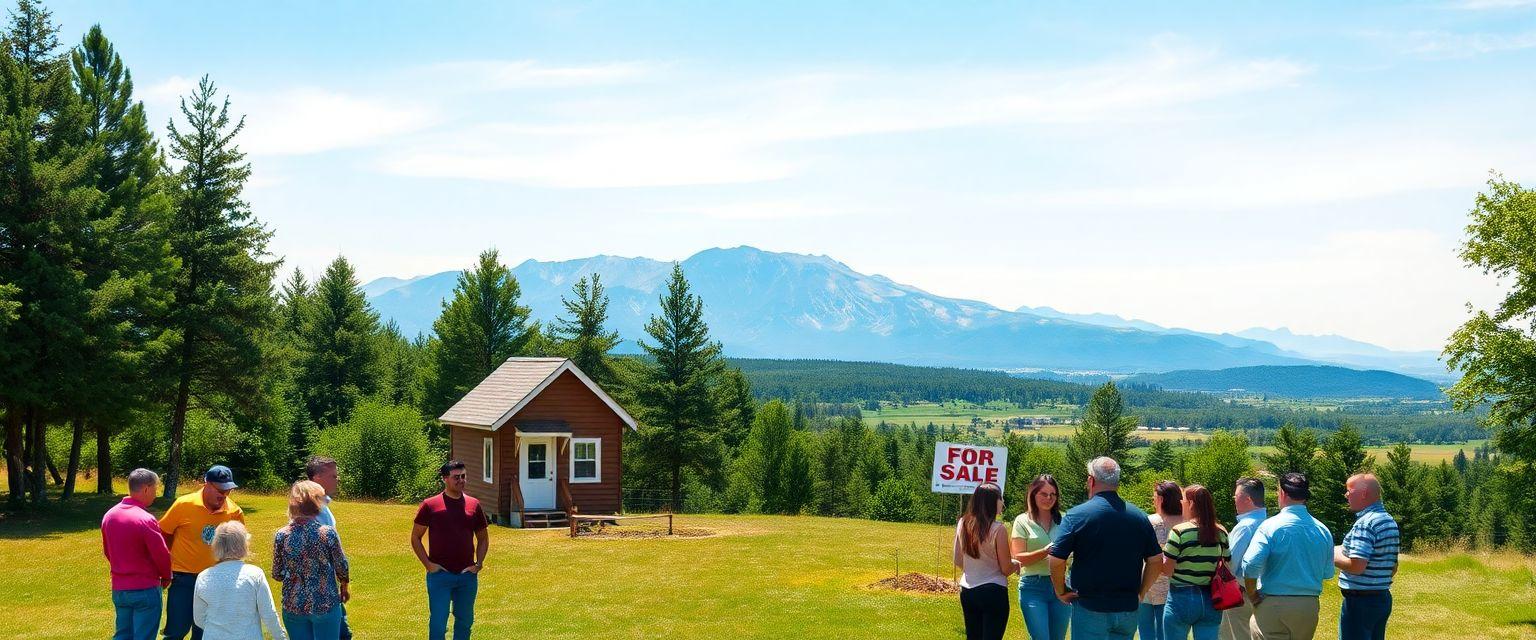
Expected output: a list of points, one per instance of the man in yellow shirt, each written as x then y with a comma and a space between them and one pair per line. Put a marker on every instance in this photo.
188, 527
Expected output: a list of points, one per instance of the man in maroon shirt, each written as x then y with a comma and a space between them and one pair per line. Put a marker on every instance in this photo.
138, 557
451, 519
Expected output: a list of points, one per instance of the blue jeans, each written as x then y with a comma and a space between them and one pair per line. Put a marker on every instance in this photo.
1365, 617
1045, 617
178, 607
1149, 621
138, 613
456, 589
1189, 609
1097, 625
319, 626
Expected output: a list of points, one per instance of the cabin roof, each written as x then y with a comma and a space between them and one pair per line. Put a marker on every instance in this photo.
514, 384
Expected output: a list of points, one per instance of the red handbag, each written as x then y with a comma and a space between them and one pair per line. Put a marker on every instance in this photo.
1226, 593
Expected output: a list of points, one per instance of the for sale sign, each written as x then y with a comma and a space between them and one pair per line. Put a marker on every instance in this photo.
958, 468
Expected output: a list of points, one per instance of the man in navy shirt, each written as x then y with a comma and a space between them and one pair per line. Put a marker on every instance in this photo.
1115, 555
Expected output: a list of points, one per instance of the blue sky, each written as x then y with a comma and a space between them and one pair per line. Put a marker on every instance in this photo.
1248, 164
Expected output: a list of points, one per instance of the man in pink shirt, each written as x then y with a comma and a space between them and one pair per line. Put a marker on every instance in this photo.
140, 561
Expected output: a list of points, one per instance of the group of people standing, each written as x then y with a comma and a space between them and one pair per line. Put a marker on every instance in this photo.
196, 555
1132, 574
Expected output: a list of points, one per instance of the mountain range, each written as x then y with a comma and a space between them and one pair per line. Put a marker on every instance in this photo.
785, 305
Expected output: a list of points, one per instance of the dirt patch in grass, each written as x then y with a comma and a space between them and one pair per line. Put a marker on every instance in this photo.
918, 583
620, 532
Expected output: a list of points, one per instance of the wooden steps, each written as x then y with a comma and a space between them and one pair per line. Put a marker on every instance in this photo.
545, 520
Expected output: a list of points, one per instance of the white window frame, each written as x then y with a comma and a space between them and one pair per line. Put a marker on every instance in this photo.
487, 460
597, 460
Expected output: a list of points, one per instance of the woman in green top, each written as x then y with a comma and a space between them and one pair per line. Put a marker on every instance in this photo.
1045, 617
1189, 559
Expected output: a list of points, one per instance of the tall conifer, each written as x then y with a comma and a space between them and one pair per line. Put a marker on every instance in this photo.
481, 326
341, 365
223, 288
581, 336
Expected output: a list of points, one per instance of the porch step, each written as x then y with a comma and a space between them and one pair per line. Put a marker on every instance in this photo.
544, 519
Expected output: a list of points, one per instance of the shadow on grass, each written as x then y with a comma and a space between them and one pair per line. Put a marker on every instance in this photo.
82, 512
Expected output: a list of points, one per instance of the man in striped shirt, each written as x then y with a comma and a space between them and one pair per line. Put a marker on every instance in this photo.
1367, 561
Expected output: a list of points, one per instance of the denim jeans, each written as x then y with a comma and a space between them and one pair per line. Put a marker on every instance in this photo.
455, 589
346, 629
138, 613
1365, 617
1189, 609
1097, 625
178, 607
1149, 621
319, 626
1045, 617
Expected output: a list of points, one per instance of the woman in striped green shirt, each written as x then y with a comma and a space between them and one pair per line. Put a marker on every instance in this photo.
1190, 556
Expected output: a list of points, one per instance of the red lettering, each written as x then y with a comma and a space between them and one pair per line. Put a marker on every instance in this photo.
968, 456
992, 474
947, 472
986, 456
953, 453
964, 474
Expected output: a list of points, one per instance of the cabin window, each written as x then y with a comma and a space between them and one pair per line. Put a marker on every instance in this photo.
487, 453
585, 456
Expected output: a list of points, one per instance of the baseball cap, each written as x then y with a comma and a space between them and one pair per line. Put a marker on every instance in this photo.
220, 476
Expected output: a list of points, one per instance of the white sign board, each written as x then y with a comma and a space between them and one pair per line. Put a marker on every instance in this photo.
958, 468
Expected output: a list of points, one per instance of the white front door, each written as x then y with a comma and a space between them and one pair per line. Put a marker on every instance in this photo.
536, 473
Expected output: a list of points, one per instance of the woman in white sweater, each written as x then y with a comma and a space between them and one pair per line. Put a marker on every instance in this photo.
232, 600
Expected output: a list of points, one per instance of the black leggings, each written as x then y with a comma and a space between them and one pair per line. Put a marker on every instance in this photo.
986, 611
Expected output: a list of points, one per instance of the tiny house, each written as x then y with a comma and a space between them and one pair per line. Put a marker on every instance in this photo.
541, 440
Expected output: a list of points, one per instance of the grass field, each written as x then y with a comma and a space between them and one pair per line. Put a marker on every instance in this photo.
760, 577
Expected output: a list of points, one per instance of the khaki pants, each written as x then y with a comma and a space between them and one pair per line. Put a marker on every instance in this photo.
1285, 618
1235, 621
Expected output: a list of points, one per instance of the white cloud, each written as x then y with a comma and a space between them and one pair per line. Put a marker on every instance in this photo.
1484, 5
305, 120
1444, 44
695, 131
496, 75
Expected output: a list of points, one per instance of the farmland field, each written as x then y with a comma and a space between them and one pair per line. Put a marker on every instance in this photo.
758, 577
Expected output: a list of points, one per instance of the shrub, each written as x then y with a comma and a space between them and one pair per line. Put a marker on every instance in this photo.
892, 502
381, 450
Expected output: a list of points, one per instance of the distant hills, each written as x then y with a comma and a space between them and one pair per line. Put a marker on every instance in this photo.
762, 304
1297, 382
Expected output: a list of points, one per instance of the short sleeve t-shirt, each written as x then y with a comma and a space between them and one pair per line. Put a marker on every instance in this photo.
191, 526
1109, 541
1035, 538
1196, 562
451, 524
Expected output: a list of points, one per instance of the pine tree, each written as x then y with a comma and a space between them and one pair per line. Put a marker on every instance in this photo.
401, 368
1159, 455
1343, 456
223, 288
481, 326
673, 391
47, 200
736, 407
129, 267
1295, 451
1104, 431
581, 336
1403, 495
341, 365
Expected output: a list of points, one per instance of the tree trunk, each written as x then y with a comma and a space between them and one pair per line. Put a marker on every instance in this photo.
53, 469
39, 444
15, 463
178, 429
76, 440
103, 459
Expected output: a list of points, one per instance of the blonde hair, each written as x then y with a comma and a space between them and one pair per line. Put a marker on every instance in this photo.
231, 541
305, 500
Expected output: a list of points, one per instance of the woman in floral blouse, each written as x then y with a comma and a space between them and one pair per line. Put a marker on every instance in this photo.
308, 560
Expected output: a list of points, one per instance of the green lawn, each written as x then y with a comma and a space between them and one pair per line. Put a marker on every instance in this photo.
761, 577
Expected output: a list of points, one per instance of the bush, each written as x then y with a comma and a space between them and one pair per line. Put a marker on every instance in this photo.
382, 452
892, 502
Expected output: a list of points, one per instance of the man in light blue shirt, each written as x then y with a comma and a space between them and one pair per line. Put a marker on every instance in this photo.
1285, 565
322, 471
1248, 496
